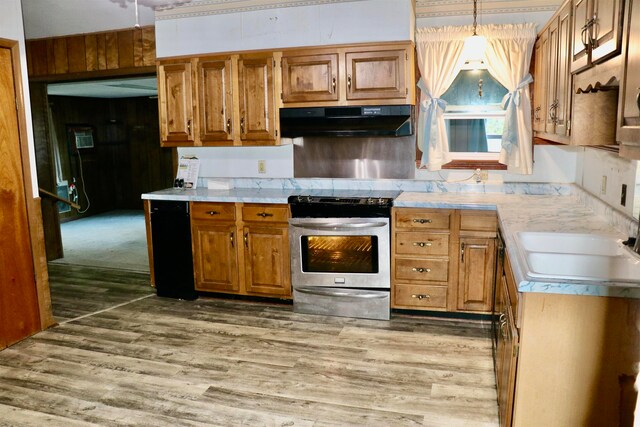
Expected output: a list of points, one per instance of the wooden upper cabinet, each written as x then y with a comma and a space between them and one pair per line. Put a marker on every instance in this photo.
606, 32
215, 101
582, 13
376, 74
563, 81
307, 78
539, 88
629, 103
349, 75
597, 31
175, 100
551, 57
256, 98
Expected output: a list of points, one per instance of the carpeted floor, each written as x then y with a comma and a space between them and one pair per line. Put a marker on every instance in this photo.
115, 239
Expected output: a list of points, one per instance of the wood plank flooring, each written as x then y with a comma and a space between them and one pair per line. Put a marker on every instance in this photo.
143, 360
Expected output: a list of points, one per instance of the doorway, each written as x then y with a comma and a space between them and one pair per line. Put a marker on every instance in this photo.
104, 144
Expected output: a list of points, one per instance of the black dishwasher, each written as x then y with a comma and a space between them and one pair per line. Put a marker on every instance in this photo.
171, 242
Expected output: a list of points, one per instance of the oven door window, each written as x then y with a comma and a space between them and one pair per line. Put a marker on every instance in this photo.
339, 254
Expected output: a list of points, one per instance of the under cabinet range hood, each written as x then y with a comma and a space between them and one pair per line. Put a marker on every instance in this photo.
387, 120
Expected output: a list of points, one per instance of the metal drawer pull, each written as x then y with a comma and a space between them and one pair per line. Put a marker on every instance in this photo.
228, 125
212, 213
333, 85
242, 125
264, 214
349, 81
231, 238
246, 240
422, 221
421, 270
421, 296
422, 244
189, 127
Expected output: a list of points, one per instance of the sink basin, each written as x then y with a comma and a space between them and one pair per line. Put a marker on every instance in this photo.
570, 243
575, 256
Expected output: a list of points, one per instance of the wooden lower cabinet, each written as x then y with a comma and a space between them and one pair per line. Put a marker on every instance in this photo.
476, 271
266, 259
241, 249
215, 260
565, 360
443, 259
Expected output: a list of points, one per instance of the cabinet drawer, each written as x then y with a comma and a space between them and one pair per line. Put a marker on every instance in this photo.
478, 221
217, 211
417, 243
265, 213
422, 219
420, 296
428, 270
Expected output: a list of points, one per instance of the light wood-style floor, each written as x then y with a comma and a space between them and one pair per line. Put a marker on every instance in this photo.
154, 361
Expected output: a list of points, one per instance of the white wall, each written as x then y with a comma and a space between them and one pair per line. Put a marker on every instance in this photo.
597, 164
51, 18
332, 23
11, 27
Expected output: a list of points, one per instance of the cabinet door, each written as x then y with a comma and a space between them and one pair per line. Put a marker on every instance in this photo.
175, 99
476, 273
215, 101
581, 52
215, 257
19, 316
308, 78
538, 88
629, 116
551, 59
257, 103
266, 257
563, 82
543, 81
507, 353
606, 32
376, 75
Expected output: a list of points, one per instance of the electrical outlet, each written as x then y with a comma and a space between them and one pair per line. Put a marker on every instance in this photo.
484, 175
603, 186
262, 166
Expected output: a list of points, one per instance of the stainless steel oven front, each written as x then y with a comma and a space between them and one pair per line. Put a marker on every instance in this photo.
341, 266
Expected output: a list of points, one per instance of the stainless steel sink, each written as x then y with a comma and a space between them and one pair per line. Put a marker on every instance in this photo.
575, 256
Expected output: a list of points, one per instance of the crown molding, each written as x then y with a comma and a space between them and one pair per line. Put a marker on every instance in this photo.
220, 7
435, 8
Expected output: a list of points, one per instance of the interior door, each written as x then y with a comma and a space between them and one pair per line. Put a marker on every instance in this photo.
19, 315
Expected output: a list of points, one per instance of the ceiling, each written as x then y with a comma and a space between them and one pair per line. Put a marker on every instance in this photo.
114, 88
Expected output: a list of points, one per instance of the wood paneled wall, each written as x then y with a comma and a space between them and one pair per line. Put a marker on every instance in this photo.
126, 160
90, 53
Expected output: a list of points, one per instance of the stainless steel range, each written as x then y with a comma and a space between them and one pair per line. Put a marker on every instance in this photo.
340, 255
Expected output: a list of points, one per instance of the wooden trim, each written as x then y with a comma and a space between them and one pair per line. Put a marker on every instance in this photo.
630, 151
475, 164
297, 49
94, 75
34, 213
147, 222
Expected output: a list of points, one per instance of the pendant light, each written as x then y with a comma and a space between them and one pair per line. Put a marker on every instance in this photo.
474, 45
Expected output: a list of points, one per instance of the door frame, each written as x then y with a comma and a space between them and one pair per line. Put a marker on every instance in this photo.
34, 215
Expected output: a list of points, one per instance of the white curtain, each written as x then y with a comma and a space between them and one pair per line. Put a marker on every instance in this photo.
508, 57
439, 60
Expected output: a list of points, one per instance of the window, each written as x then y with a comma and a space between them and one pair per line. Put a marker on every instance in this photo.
474, 118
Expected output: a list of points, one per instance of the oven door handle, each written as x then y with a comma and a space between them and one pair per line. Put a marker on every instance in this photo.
350, 293
339, 226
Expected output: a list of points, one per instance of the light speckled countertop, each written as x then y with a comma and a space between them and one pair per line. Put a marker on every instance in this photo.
516, 212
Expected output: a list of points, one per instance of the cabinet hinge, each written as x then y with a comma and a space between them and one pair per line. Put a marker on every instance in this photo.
274, 63
276, 133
